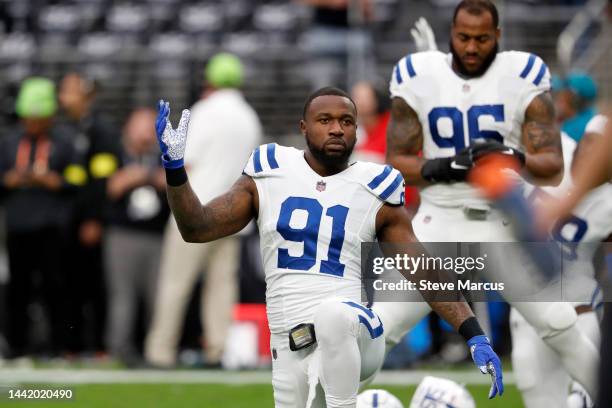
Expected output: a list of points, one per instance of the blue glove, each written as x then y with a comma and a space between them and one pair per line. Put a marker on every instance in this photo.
171, 142
487, 361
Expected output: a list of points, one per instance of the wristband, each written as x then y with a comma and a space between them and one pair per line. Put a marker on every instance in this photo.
470, 328
176, 177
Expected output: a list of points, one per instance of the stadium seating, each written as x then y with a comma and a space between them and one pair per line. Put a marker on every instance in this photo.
142, 50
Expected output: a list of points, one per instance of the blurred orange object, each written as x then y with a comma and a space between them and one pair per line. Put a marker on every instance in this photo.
491, 177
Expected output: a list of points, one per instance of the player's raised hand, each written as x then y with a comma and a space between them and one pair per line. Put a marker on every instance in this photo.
487, 362
172, 142
423, 36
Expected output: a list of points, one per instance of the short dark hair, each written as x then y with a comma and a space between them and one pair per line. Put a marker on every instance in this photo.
328, 90
476, 8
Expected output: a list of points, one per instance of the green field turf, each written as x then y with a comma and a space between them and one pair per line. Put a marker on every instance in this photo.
212, 396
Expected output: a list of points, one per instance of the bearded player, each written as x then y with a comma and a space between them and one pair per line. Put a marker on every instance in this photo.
458, 108
314, 210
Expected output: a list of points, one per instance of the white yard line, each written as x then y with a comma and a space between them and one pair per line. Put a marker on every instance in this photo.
85, 376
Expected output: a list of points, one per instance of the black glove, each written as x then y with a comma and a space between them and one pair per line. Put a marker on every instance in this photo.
480, 150
448, 169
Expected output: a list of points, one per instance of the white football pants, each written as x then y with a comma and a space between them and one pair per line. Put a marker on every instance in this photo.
350, 348
538, 369
554, 322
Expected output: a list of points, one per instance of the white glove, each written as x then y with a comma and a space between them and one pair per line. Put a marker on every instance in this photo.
171, 142
423, 36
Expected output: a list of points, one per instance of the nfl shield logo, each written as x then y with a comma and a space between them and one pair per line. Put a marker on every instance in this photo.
321, 185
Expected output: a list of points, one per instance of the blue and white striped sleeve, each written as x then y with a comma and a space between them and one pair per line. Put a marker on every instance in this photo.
388, 185
402, 78
536, 75
263, 160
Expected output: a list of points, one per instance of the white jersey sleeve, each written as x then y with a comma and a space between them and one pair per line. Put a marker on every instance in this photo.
596, 125
264, 161
406, 83
384, 182
535, 74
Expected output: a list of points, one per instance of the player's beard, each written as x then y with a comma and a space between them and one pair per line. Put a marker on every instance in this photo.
483, 68
337, 161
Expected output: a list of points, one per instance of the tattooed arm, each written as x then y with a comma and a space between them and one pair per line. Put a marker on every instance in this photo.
542, 141
222, 216
394, 228
404, 141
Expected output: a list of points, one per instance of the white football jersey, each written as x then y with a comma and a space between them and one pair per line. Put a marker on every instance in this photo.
568, 147
312, 227
456, 112
589, 224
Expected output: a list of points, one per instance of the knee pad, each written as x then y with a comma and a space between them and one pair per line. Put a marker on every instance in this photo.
399, 317
560, 317
332, 320
548, 319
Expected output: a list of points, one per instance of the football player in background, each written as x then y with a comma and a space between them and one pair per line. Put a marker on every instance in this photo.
588, 174
540, 375
459, 108
314, 210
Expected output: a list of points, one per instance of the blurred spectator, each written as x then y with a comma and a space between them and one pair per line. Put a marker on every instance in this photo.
575, 102
97, 145
37, 168
223, 131
373, 118
138, 212
330, 37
